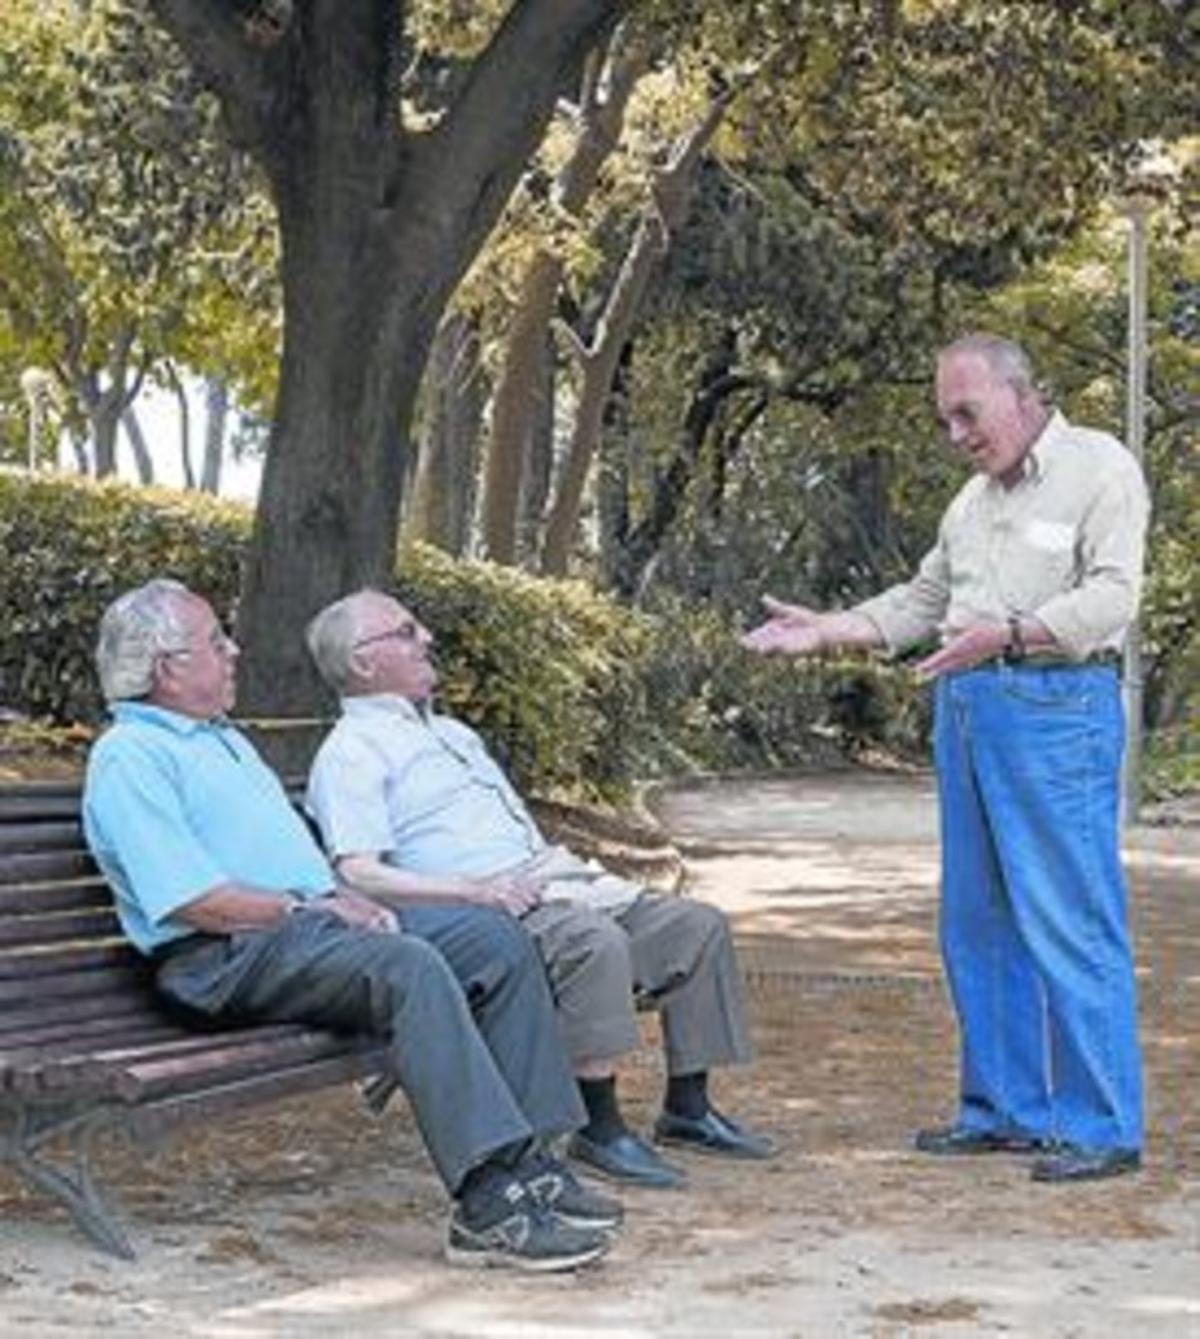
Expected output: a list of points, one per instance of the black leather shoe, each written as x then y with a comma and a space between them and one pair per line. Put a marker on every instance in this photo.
945, 1141
1074, 1163
712, 1133
627, 1159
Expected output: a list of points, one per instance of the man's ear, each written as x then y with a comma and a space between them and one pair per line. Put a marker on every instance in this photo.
360, 667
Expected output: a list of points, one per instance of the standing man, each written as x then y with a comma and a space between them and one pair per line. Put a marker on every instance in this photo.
1031, 585
413, 809
218, 881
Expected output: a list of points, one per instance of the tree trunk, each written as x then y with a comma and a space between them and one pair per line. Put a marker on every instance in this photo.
185, 427
514, 407
664, 215
105, 406
539, 464
378, 223
216, 407
453, 396
137, 442
517, 410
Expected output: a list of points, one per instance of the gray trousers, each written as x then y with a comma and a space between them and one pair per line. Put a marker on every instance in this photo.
460, 996
674, 952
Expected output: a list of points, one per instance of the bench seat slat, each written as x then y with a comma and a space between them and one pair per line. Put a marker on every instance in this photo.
155, 1119
139, 1074
23, 1062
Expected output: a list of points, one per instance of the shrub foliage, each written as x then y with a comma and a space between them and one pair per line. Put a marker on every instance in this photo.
576, 693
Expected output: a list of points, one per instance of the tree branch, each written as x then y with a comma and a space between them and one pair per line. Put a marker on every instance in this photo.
245, 50
547, 40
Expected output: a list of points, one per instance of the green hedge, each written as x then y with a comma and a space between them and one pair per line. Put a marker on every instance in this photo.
70, 547
576, 693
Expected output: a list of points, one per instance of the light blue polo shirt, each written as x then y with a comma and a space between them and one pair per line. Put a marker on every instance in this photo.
173, 807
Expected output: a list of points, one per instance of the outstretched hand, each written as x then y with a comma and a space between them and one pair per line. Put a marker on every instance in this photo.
793, 629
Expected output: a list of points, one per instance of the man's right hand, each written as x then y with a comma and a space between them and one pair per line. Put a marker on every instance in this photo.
796, 630
515, 893
792, 629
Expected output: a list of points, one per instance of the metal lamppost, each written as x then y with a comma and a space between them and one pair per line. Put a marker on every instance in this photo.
36, 386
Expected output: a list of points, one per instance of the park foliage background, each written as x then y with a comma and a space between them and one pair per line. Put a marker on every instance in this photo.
643, 297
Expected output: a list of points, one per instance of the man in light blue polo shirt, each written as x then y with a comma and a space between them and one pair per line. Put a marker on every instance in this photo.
217, 878
413, 810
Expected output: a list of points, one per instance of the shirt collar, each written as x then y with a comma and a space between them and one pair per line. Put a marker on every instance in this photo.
387, 704
175, 721
1038, 457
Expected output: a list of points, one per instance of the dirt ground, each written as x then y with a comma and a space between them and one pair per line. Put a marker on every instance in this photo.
310, 1216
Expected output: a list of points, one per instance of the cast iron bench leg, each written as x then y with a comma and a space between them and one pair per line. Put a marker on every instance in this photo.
75, 1188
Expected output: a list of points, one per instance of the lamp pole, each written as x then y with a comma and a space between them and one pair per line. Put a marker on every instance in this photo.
1137, 209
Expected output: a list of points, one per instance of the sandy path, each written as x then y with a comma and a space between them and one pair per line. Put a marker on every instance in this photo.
309, 1218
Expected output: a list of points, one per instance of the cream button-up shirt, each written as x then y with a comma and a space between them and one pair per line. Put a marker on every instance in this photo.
1064, 544
420, 790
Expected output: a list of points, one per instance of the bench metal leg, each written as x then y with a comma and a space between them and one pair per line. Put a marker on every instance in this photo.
75, 1187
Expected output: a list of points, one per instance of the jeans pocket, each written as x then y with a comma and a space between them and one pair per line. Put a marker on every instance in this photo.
1054, 689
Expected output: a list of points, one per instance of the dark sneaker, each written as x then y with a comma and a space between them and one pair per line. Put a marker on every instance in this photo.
555, 1186
522, 1234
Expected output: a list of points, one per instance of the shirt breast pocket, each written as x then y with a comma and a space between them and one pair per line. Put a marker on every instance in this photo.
1041, 562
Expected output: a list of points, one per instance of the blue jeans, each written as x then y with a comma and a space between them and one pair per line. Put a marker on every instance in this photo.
1033, 926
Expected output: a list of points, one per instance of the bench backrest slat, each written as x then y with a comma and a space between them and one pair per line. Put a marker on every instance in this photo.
28, 898
45, 866
61, 927
54, 835
80, 986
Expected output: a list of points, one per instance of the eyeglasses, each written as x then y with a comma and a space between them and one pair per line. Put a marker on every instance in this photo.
406, 632
219, 640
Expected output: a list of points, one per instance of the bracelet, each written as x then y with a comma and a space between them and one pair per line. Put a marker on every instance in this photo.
1014, 652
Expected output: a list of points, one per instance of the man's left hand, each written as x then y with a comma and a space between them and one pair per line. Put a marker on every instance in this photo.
360, 912
976, 643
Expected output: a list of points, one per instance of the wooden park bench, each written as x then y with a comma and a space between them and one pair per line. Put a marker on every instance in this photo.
87, 1045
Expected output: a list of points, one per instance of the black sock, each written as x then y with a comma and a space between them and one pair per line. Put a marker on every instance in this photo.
687, 1095
604, 1115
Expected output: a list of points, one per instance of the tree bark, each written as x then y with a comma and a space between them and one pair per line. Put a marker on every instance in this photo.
443, 493
216, 406
185, 427
142, 459
539, 462
105, 405
378, 224
516, 408
598, 362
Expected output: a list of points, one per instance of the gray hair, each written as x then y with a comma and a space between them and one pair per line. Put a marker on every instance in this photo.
1003, 356
136, 629
331, 635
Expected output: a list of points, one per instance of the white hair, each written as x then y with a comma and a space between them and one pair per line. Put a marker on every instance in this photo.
1004, 356
136, 629
331, 635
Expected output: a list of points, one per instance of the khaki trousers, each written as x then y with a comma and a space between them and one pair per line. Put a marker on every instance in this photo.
672, 952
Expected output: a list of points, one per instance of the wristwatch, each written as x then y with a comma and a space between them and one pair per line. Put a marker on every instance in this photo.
1014, 651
